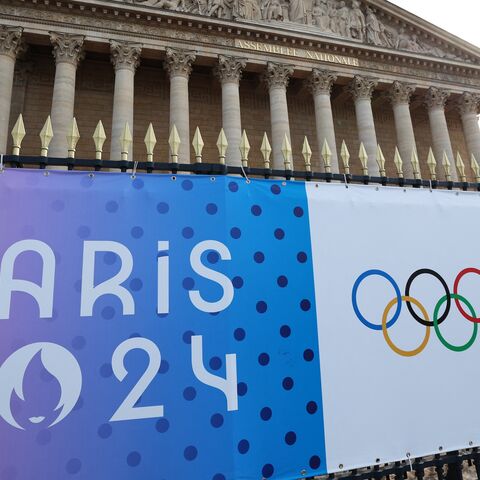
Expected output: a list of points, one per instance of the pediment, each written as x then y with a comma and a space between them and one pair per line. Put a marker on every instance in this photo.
377, 23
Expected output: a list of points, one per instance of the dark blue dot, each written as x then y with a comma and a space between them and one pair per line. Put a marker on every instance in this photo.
138, 183
187, 232
187, 185
279, 234
79, 342
190, 453
302, 257
136, 284
134, 459
104, 431
243, 446
233, 186
163, 207
216, 420
135, 335
298, 211
188, 283
275, 189
290, 438
315, 462
164, 367
109, 258
259, 257
256, 210
213, 257
261, 307
212, 208
187, 337
267, 470
311, 407
242, 389
162, 425
237, 282
111, 206
305, 305
282, 281
44, 437
83, 231
239, 334
189, 393
218, 476
285, 331
58, 205
108, 313
235, 233
136, 232
74, 465
264, 359
266, 413
287, 383
308, 355
215, 363
106, 370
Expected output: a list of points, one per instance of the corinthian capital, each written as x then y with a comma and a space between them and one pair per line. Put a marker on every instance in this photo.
469, 103
278, 75
10, 40
229, 69
125, 55
400, 93
67, 48
436, 97
321, 81
362, 87
179, 62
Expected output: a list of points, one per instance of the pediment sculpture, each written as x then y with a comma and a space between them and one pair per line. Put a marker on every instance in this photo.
347, 19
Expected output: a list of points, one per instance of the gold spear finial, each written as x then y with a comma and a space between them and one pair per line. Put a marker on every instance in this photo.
446, 166
126, 141
345, 156
415, 165
307, 154
475, 167
46, 135
150, 141
381, 161
266, 150
327, 157
460, 167
363, 156
198, 145
397, 160
18, 134
99, 138
73, 136
174, 142
432, 164
287, 153
244, 149
222, 144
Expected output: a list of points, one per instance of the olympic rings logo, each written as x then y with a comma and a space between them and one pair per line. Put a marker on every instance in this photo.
396, 302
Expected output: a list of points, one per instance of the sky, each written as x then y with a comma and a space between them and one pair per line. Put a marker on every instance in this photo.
459, 17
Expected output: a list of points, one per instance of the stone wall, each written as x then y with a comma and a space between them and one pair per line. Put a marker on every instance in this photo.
94, 97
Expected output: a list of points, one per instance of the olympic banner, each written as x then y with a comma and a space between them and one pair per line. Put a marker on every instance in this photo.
211, 327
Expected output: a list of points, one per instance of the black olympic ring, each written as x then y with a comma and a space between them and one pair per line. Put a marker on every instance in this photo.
414, 275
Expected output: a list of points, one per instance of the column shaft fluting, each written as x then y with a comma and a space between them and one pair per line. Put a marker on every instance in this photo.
468, 107
178, 63
277, 77
229, 71
321, 85
10, 42
361, 89
400, 94
125, 58
435, 100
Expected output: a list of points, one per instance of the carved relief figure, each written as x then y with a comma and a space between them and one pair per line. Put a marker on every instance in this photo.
297, 12
170, 4
272, 10
247, 9
320, 16
373, 29
356, 21
341, 20
219, 8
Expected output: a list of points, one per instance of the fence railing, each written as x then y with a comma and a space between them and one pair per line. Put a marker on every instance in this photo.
220, 167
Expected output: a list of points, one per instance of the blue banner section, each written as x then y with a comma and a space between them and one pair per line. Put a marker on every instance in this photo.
157, 327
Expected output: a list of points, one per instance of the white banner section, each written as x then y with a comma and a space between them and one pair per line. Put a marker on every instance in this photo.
397, 296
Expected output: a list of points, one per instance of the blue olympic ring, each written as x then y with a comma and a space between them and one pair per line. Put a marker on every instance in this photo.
357, 283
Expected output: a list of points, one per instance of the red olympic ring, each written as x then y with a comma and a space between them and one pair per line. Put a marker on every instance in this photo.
455, 290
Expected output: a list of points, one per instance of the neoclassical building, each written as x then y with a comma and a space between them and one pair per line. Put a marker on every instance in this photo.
360, 72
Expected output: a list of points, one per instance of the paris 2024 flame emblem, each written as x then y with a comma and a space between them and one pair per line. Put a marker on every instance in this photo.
58, 361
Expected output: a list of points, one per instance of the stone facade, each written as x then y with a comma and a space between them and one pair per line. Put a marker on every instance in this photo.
327, 69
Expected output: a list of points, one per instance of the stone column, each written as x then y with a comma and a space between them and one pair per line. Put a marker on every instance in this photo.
229, 71
320, 84
10, 43
435, 101
468, 107
125, 57
178, 64
400, 94
67, 51
277, 77
361, 89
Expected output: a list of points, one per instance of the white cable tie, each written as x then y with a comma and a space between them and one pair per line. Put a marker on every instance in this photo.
345, 180
134, 171
1, 162
410, 461
244, 173
431, 188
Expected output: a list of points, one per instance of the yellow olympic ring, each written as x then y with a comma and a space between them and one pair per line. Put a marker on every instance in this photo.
405, 353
